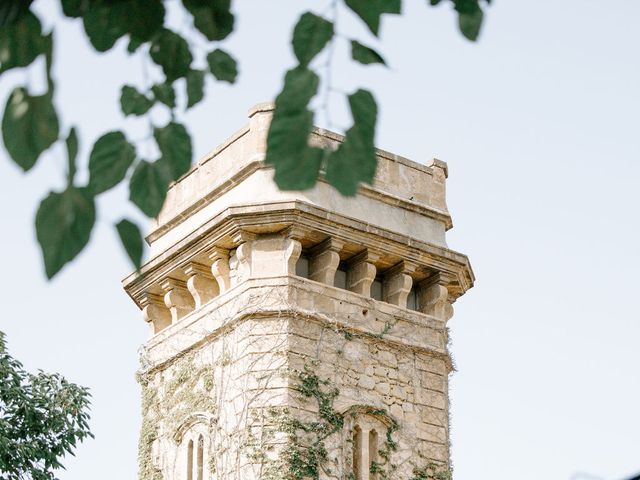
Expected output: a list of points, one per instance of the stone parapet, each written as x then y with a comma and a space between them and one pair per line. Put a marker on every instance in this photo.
406, 196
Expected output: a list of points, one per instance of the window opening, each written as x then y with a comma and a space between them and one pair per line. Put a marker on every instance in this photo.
200, 457
357, 453
190, 460
302, 266
376, 289
373, 454
340, 280
412, 299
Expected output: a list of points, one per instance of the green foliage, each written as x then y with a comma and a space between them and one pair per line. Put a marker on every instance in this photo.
223, 66
131, 239
355, 159
188, 388
72, 154
12, 10
195, 87
431, 471
310, 36
63, 226
213, 18
370, 11
133, 102
21, 42
148, 187
164, 93
365, 55
43, 418
305, 453
175, 147
296, 163
107, 21
110, 159
30, 123
470, 16
171, 52
29, 126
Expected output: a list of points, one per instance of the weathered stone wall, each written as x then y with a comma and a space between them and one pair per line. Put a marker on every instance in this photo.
233, 381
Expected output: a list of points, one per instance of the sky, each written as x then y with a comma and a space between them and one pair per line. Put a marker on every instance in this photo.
538, 123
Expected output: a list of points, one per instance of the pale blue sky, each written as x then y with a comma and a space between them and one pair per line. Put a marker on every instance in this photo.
539, 125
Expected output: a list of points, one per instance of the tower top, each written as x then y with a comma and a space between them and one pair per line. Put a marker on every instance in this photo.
230, 190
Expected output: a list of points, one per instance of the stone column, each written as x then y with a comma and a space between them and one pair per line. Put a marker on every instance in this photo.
362, 272
324, 260
201, 283
177, 298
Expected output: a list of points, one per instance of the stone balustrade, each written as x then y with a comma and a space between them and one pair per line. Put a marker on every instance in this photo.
187, 288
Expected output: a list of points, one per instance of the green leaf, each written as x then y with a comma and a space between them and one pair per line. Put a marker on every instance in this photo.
195, 87
12, 11
174, 143
109, 161
74, 8
365, 55
133, 102
63, 226
223, 66
134, 44
310, 35
106, 22
148, 187
355, 159
29, 126
296, 163
72, 154
434, 2
370, 11
164, 93
212, 17
470, 18
300, 85
21, 42
145, 18
171, 52
132, 241
48, 58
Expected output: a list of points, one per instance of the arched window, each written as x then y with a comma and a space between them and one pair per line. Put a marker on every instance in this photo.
193, 449
366, 432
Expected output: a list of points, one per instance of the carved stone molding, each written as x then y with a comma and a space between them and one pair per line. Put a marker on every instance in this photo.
200, 283
177, 298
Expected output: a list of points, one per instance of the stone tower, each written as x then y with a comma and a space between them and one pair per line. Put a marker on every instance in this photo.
297, 335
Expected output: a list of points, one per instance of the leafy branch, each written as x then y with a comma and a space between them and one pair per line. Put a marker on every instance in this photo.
31, 126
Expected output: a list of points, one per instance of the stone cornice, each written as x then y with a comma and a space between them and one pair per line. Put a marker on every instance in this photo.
315, 223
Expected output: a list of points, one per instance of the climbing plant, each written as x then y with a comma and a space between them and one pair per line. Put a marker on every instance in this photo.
31, 123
